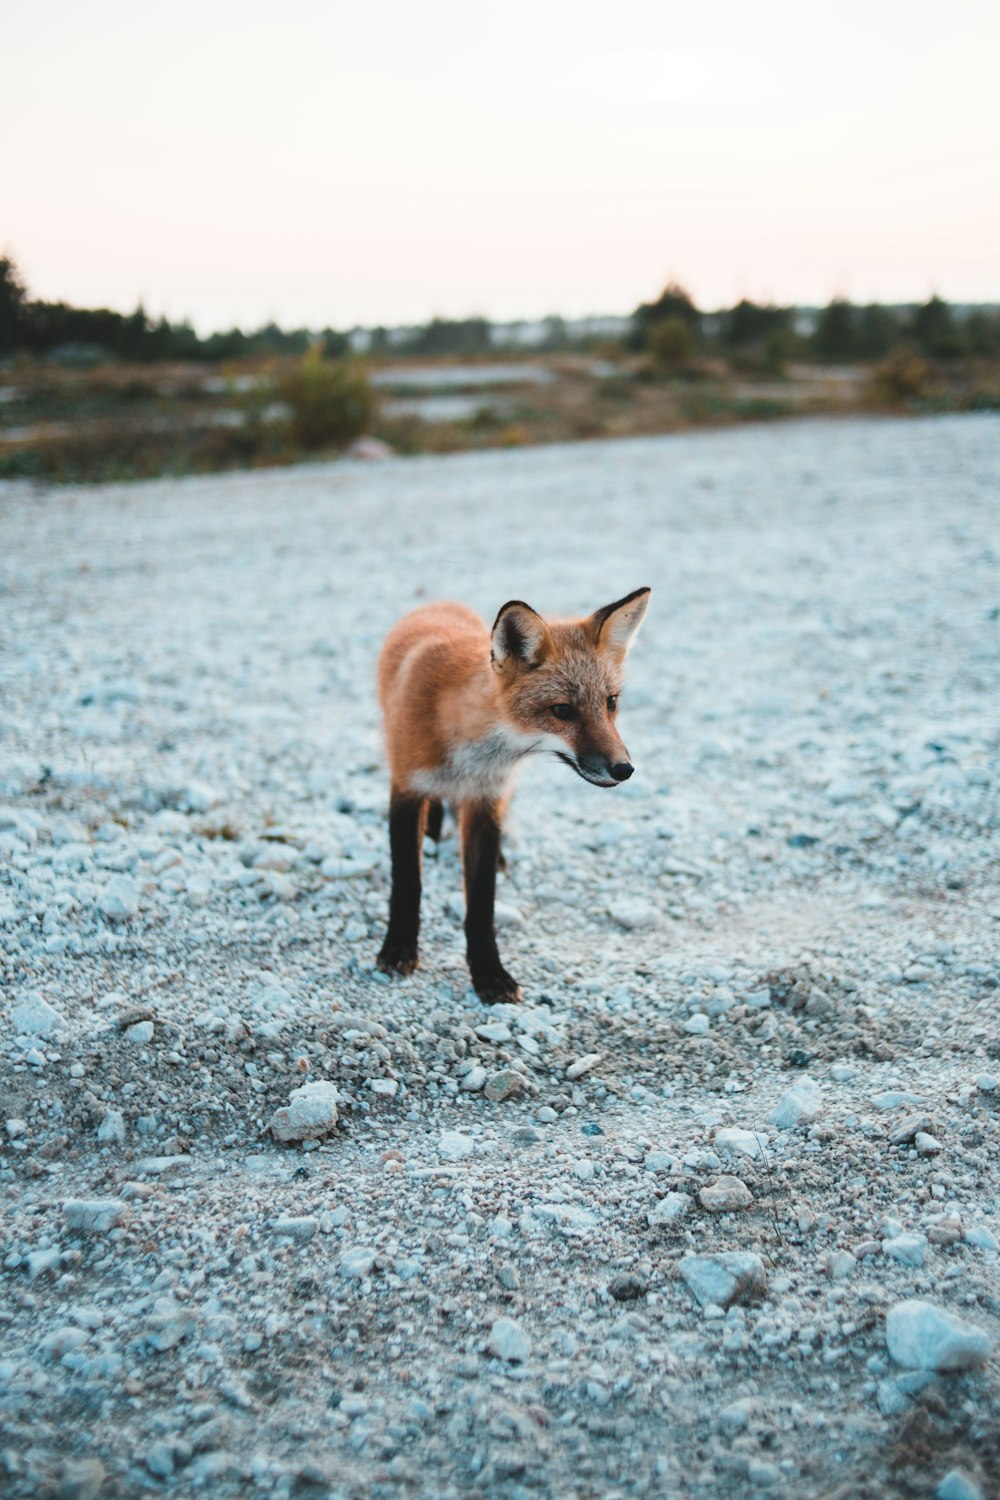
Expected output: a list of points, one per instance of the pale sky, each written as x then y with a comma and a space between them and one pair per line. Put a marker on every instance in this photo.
332, 163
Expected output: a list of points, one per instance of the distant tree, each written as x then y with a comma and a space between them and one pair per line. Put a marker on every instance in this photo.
936, 332
13, 297
452, 336
671, 342
836, 335
876, 331
673, 302
982, 332
753, 323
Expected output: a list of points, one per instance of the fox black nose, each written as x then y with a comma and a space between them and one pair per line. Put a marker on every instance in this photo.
622, 771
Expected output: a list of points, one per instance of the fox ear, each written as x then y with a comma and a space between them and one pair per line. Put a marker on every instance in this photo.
616, 625
520, 636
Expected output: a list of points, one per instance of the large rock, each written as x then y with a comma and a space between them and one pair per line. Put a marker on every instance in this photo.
311, 1112
732, 1276
921, 1336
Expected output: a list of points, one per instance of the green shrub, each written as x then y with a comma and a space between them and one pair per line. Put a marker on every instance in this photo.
901, 377
671, 342
330, 402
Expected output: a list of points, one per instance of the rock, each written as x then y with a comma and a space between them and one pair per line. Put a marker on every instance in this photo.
119, 899
140, 1033
168, 1325
585, 1064
724, 1195
35, 1017
508, 1341
981, 1237
494, 1031
302, 1228
840, 1263
733, 1141
958, 1485
627, 1287
370, 450
43, 1262
946, 1231
80, 1479
93, 1215
473, 1080
698, 1024
921, 1336
729, 1277
311, 1113
388, 1088
453, 1145
908, 1249
111, 1131
670, 1208
357, 1263
15, 1128
908, 1127
160, 1459
799, 1104
61, 1341
503, 1085
926, 1144
633, 914
660, 1161
736, 1416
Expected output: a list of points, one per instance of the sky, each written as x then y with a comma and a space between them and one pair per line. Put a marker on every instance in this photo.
385, 162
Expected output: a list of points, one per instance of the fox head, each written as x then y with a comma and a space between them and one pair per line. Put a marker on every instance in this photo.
560, 681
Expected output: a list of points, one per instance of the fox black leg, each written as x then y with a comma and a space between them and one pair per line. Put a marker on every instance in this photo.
435, 815
407, 815
480, 848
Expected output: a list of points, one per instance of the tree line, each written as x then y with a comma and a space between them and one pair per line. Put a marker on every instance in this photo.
671, 328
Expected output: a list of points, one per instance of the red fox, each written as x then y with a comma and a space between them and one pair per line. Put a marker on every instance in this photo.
463, 707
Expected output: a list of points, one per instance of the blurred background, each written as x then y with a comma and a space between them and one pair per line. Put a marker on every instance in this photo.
230, 237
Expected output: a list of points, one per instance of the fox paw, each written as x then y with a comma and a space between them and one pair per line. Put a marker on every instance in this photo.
495, 986
397, 957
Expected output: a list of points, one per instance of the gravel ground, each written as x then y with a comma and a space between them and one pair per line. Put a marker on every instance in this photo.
667, 1227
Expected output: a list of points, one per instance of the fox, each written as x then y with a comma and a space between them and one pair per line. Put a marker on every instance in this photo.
463, 708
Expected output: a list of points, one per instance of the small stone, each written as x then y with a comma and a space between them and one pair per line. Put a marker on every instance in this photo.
94, 1216
981, 1237
633, 914
15, 1128
839, 1264
508, 1341
585, 1064
724, 1195
503, 1085
733, 1141
958, 1485
473, 1080
111, 1131
357, 1263
921, 1336
926, 1144
453, 1145
119, 900
698, 1024
908, 1127
736, 1416
35, 1017
81, 1479
908, 1249
798, 1105
311, 1112
660, 1161
387, 1088
160, 1460
494, 1031
987, 1083
627, 1287
546, 1115
302, 1228
140, 1033
947, 1231
729, 1277
43, 1262
670, 1208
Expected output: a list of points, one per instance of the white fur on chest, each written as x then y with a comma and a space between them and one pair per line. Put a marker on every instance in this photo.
482, 768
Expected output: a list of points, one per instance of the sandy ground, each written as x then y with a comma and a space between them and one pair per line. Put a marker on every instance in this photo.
798, 890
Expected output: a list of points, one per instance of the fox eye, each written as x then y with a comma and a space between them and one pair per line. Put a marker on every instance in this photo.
612, 703
563, 710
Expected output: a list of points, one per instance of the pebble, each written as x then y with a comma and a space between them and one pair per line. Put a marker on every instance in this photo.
724, 1279
958, 1485
453, 1145
111, 1131
670, 1208
35, 1017
724, 1195
357, 1263
119, 900
633, 914
140, 1033
473, 1080
908, 1249
311, 1113
982, 1237
840, 1264
494, 1031
926, 1144
94, 1215
698, 1024
909, 1127
627, 1287
302, 1228
798, 1105
81, 1479
503, 1085
921, 1336
585, 1064
509, 1342
735, 1141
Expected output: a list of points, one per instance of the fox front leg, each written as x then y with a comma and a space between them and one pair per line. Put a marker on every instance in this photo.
480, 849
407, 817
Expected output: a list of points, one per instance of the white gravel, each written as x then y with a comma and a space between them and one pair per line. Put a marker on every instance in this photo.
801, 882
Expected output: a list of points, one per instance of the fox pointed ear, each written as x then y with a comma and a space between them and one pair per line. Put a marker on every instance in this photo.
520, 636
615, 627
